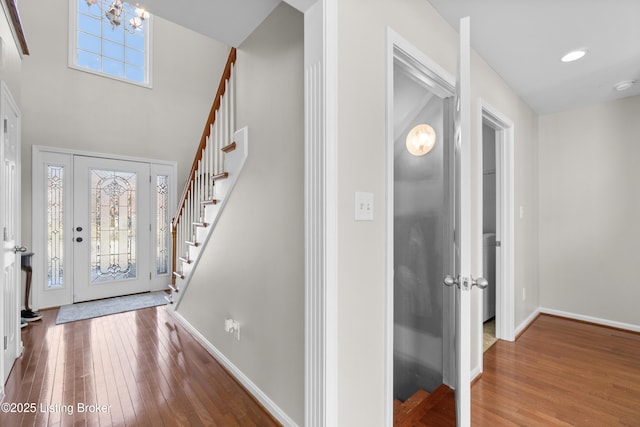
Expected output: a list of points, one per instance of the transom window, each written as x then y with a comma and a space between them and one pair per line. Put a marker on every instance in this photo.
110, 38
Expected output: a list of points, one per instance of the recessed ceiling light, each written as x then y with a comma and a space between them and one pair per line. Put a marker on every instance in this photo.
574, 55
624, 85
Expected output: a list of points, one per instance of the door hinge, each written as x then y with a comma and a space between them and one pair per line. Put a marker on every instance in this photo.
149, 275
4, 234
5, 342
6, 125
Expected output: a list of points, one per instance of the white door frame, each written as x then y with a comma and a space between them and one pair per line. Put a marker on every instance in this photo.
505, 256
398, 46
42, 156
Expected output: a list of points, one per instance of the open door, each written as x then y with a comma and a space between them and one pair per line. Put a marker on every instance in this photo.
462, 241
10, 224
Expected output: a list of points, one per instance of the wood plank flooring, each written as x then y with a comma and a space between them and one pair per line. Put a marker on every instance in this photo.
560, 372
140, 368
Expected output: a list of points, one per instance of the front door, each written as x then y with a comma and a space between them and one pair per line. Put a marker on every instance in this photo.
111, 229
10, 223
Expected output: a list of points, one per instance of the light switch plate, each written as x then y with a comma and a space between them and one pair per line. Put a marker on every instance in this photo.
364, 206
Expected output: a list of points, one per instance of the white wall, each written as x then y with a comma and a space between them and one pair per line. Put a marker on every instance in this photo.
11, 63
361, 247
253, 267
67, 108
590, 210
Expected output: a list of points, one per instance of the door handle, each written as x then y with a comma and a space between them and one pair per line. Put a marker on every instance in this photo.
449, 280
480, 282
17, 249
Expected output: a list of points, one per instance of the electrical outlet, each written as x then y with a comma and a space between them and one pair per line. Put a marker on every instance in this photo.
233, 327
364, 206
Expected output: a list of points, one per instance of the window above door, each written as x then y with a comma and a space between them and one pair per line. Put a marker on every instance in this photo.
117, 47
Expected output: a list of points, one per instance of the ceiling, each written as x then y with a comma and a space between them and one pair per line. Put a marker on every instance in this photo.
522, 40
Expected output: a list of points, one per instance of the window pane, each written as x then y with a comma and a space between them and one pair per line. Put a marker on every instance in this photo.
89, 24
113, 50
135, 40
113, 228
134, 57
88, 60
55, 226
134, 73
88, 43
118, 51
162, 224
114, 34
115, 68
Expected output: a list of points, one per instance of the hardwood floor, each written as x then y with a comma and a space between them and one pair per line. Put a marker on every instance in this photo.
141, 368
558, 373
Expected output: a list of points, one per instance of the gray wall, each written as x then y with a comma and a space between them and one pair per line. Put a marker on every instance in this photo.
253, 267
64, 107
420, 232
589, 210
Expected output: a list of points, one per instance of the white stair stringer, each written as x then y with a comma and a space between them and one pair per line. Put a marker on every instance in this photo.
234, 162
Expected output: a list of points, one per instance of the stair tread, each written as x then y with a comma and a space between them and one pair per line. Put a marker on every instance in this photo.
209, 202
418, 405
229, 148
222, 175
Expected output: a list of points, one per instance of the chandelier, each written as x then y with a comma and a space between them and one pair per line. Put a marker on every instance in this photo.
116, 11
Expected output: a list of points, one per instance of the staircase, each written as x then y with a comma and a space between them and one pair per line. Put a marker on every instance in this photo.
218, 161
426, 409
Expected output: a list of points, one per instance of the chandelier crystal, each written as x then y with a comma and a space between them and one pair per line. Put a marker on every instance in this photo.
115, 11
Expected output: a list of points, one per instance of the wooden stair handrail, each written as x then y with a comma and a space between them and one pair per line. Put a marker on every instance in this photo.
222, 86
207, 129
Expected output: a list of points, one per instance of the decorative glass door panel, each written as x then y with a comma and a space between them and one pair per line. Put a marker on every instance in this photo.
113, 225
111, 220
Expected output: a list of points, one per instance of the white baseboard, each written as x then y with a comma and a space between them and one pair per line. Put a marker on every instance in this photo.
252, 388
525, 324
591, 319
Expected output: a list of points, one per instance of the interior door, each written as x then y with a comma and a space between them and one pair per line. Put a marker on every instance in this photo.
111, 228
462, 241
10, 222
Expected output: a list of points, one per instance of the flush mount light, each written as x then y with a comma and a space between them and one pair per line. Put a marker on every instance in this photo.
624, 85
574, 55
420, 140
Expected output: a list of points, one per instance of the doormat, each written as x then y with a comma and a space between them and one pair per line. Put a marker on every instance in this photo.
105, 307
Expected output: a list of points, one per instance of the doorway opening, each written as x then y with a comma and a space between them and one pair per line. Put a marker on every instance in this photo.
496, 227
489, 242
420, 222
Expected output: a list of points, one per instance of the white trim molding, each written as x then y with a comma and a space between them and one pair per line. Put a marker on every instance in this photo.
505, 169
251, 387
589, 319
321, 218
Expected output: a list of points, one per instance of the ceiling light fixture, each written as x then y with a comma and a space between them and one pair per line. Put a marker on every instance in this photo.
421, 140
624, 85
574, 55
116, 10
